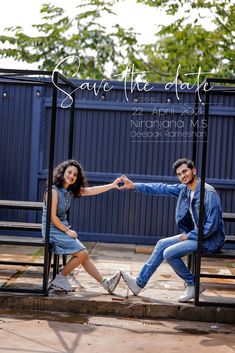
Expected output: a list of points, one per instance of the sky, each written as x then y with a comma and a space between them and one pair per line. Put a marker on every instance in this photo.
27, 12
144, 19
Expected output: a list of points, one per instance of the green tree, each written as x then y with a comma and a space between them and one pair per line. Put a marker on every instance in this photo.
186, 42
60, 36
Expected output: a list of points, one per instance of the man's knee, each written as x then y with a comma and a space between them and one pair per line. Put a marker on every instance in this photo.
168, 254
161, 244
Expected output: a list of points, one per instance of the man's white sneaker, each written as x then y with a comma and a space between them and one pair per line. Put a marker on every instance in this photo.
110, 283
62, 282
190, 293
131, 282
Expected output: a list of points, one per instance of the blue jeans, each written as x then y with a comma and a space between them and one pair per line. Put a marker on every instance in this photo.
170, 249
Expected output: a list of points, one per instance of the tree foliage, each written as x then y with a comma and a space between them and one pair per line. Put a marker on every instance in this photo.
186, 41
61, 36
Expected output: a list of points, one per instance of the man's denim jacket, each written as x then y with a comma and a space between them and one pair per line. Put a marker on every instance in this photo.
213, 231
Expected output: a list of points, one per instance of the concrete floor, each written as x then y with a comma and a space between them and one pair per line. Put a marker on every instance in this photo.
53, 333
158, 299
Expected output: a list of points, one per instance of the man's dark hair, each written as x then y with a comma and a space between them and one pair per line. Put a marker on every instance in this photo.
179, 162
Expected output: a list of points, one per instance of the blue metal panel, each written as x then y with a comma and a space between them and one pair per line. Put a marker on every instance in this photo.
34, 141
61, 145
15, 137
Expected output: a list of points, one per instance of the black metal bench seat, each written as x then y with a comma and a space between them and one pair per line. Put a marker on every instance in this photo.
19, 240
227, 252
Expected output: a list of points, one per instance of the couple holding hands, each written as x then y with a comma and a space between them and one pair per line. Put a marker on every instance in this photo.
69, 181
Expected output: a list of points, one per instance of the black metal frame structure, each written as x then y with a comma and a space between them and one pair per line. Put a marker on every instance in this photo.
199, 254
40, 77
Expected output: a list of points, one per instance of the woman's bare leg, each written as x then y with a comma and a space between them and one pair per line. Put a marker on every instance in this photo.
90, 268
70, 266
82, 258
76, 260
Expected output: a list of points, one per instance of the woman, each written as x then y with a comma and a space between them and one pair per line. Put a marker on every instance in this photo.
69, 182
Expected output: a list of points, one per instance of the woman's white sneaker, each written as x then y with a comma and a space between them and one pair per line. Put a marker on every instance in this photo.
110, 283
62, 282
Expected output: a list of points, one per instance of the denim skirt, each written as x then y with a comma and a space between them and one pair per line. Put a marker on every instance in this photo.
63, 243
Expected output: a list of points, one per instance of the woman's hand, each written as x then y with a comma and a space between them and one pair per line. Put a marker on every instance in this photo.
116, 182
128, 184
71, 233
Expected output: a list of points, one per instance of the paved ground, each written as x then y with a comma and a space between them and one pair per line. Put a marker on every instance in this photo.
158, 299
53, 333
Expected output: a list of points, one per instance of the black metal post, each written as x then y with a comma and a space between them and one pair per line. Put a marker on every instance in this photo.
202, 194
50, 182
71, 126
195, 128
70, 148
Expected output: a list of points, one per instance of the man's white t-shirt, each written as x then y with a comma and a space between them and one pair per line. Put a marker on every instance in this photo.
190, 207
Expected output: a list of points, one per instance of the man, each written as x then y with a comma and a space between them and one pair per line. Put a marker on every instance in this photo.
187, 218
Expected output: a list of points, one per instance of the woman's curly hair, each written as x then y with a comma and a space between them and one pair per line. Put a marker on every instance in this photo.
58, 177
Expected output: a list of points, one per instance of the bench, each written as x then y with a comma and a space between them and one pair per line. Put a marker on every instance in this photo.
228, 217
227, 252
23, 205
20, 225
18, 240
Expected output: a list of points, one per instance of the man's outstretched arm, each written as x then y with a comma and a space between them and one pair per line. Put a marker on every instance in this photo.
151, 188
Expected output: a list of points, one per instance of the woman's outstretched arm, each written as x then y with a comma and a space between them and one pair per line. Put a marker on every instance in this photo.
95, 190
